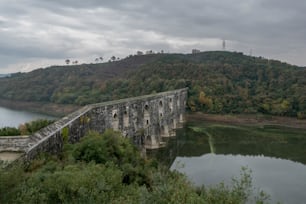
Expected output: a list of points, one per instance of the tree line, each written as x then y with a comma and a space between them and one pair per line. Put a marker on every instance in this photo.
26, 128
219, 82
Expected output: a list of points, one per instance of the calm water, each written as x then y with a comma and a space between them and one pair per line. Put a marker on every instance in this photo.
13, 118
211, 153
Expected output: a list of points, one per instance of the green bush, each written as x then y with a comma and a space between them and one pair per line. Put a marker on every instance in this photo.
111, 147
107, 168
9, 131
36, 125
25, 129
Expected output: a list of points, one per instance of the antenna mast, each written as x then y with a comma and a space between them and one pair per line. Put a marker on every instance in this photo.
223, 44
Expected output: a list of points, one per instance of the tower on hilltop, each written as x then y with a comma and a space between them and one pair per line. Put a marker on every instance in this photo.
223, 44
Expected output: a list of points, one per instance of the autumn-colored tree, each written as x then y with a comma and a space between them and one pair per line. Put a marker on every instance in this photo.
205, 101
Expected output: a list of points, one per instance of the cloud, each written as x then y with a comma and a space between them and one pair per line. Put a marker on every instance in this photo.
55, 30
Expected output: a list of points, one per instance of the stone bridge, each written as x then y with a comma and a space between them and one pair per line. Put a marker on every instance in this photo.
145, 120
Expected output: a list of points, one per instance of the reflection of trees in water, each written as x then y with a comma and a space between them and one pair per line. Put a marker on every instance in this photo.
211, 143
195, 140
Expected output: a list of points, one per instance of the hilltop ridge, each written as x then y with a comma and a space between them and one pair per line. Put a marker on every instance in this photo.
219, 82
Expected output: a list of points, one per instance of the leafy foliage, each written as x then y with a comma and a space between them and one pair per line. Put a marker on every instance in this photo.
35, 125
25, 129
96, 170
240, 191
9, 131
219, 82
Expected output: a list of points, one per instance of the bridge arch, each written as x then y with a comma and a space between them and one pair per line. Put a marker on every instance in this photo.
150, 113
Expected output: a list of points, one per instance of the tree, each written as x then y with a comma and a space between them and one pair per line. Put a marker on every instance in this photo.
285, 106
205, 100
113, 58
101, 59
67, 61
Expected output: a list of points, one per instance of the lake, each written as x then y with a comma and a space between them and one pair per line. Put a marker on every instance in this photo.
13, 118
210, 153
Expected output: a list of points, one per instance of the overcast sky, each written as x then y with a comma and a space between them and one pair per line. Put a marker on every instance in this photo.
39, 33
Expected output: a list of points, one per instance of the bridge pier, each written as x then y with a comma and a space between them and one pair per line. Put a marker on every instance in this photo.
144, 119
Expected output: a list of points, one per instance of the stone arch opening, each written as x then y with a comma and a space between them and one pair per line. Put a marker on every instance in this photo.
115, 116
147, 122
126, 119
160, 104
148, 139
146, 107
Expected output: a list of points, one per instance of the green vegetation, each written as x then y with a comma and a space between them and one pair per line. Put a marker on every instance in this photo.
9, 131
198, 138
219, 82
108, 169
25, 129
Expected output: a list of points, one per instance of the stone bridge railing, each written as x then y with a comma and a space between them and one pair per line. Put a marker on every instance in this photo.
14, 143
155, 116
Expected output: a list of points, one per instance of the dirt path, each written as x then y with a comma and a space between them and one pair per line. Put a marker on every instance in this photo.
248, 120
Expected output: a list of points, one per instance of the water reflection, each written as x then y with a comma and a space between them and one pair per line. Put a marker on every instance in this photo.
211, 153
283, 179
199, 139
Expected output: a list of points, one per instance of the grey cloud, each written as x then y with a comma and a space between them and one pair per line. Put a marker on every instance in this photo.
65, 28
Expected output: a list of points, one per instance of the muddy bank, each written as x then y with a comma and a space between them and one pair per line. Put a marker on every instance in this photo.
248, 120
51, 109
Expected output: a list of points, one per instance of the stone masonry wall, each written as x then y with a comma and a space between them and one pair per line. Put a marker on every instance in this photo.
13, 143
154, 116
144, 119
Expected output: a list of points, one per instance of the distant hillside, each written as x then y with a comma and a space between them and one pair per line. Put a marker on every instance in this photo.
4, 75
220, 82
66, 84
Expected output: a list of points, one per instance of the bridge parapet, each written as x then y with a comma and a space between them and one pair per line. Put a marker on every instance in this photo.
14, 143
144, 119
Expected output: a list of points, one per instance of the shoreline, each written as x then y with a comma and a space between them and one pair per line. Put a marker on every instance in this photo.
52, 109
61, 110
252, 119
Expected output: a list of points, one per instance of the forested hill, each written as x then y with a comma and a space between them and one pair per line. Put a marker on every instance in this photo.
219, 82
